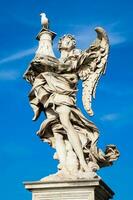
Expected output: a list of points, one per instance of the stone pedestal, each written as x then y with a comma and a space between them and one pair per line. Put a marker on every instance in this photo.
94, 189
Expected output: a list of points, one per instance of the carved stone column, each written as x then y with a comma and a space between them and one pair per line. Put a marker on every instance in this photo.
45, 38
94, 189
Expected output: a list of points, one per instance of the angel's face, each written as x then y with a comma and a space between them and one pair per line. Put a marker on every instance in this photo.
67, 44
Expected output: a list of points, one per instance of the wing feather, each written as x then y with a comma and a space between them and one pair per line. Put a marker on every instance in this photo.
92, 66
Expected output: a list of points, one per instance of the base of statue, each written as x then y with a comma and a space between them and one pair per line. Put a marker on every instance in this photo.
94, 189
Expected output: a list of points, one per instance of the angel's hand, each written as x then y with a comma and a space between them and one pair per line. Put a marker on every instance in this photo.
52, 59
45, 62
63, 67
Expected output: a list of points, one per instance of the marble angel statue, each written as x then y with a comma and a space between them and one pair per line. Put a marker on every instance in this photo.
54, 88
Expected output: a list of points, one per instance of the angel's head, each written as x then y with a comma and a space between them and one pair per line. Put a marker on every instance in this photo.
67, 42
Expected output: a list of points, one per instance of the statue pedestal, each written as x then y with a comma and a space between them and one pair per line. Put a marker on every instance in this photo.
94, 189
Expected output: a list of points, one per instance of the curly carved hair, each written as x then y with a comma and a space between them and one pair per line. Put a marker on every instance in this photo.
71, 37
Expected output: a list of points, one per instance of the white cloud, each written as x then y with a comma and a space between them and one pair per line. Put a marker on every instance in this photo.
14, 74
21, 54
110, 117
9, 75
116, 38
85, 35
18, 55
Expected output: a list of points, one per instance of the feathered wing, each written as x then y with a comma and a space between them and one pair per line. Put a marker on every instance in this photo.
92, 65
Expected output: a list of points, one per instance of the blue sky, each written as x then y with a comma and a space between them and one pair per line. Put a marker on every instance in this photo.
23, 157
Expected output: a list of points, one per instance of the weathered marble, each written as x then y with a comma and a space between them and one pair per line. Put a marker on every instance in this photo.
54, 87
93, 189
45, 38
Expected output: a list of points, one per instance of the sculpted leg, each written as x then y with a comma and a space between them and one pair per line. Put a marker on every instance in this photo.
59, 142
61, 150
72, 161
64, 116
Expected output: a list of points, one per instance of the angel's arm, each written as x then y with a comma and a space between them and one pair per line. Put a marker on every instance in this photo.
40, 65
46, 62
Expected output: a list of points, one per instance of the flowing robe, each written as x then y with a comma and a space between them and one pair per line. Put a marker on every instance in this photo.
51, 90
56, 88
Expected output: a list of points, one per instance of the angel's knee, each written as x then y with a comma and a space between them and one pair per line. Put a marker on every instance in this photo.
65, 121
64, 116
63, 110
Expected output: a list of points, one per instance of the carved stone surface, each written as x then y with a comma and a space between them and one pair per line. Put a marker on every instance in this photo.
54, 88
93, 189
45, 38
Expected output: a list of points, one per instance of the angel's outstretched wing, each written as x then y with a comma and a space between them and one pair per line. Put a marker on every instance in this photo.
92, 65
